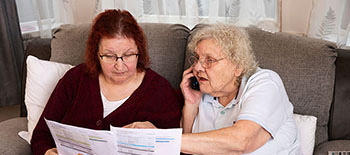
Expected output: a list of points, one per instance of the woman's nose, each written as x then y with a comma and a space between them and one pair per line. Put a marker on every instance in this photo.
119, 64
198, 66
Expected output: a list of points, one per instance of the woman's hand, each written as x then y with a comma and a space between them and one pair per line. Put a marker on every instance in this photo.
192, 97
52, 151
141, 125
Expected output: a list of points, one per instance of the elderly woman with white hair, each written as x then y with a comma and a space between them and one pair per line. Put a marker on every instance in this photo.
239, 108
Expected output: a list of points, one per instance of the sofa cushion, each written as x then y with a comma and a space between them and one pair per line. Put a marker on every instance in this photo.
69, 43
42, 77
40, 48
307, 127
10, 142
307, 68
166, 45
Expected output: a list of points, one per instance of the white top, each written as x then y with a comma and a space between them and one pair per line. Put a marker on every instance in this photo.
110, 106
261, 99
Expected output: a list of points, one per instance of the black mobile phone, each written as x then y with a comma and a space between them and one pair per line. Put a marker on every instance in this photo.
194, 83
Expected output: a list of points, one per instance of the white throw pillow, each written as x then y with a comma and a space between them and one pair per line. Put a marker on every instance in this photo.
42, 77
307, 128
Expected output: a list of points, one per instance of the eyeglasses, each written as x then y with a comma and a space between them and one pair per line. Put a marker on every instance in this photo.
206, 63
112, 58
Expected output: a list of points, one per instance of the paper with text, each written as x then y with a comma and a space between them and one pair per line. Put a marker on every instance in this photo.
148, 141
72, 140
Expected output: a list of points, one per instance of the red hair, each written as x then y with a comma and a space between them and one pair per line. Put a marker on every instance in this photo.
110, 24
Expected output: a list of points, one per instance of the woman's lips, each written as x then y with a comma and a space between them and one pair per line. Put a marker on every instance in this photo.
201, 79
118, 73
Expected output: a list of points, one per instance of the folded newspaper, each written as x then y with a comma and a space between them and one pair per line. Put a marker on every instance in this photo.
72, 140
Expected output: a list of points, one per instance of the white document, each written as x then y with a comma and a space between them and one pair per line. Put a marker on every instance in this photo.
72, 140
148, 141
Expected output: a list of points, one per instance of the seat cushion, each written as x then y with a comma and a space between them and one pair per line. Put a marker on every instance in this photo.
10, 142
335, 145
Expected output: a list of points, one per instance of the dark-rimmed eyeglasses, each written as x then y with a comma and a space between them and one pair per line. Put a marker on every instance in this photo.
113, 58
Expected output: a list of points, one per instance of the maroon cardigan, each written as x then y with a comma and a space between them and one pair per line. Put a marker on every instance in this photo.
76, 100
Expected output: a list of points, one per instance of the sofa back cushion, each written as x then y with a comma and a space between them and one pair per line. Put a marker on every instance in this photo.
307, 68
166, 46
68, 44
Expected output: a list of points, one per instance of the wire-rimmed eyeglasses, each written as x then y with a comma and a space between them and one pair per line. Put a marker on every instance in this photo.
206, 62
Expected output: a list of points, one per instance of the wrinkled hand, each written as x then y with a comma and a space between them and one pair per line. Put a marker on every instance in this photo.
141, 125
52, 151
191, 96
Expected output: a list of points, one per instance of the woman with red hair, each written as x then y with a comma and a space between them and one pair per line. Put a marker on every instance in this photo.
115, 85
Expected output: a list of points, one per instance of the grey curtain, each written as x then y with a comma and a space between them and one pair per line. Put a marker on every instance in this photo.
11, 54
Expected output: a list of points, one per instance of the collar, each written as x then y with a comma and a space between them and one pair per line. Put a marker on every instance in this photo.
207, 98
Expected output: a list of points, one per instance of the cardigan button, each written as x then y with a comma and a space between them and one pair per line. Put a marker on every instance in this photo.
98, 123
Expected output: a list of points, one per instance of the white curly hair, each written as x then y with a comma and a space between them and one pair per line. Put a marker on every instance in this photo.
234, 42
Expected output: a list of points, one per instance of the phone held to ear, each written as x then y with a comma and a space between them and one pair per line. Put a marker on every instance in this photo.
194, 83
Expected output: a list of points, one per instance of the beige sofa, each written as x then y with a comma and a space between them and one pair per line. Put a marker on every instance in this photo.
314, 82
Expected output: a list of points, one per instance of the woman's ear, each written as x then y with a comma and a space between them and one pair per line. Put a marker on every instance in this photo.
238, 71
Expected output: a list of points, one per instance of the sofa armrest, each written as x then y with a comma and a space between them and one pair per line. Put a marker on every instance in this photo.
339, 125
10, 142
